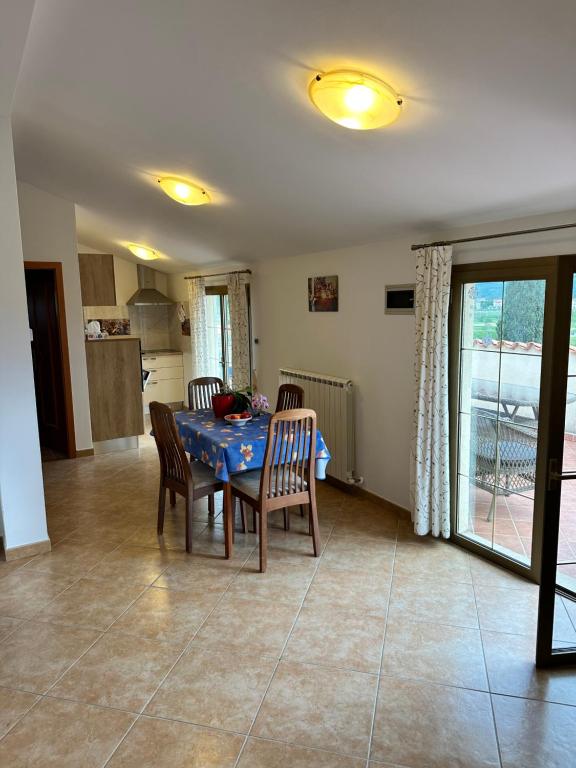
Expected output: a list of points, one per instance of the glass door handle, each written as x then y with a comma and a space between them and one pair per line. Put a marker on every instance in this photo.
554, 477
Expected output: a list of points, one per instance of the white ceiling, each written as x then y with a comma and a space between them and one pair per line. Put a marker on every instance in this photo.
14, 24
115, 91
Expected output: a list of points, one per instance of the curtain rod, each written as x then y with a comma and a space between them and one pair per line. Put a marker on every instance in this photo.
492, 237
221, 274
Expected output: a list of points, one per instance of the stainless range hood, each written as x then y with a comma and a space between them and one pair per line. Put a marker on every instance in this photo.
147, 294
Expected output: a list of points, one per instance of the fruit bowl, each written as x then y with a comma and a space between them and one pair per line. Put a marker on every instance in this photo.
238, 419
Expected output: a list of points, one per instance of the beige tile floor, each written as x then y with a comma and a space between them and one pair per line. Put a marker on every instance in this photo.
117, 649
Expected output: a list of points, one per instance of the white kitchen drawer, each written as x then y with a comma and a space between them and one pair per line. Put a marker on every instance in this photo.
157, 374
161, 361
164, 391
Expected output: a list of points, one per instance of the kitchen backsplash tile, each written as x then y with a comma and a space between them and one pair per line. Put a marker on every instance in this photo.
152, 324
116, 327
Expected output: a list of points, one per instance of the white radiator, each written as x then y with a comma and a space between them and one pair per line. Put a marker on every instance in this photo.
333, 400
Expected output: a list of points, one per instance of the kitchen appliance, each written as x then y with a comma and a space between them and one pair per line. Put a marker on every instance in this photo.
147, 295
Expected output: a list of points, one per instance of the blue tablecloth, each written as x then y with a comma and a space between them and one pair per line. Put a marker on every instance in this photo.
229, 449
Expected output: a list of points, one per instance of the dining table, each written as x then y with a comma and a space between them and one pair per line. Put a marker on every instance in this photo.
231, 449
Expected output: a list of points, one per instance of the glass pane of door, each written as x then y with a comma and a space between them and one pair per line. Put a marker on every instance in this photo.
498, 412
215, 366
566, 556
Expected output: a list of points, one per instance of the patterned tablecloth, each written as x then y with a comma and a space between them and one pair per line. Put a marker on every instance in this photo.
229, 449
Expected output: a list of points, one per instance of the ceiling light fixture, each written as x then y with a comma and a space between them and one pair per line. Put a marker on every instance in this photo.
354, 99
184, 191
143, 252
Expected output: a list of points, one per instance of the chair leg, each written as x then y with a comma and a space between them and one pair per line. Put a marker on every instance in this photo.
211, 505
243, 516
172, 498
314, 524
286, 511
161, 508
263, 541
255, 520
302, 510
189, 510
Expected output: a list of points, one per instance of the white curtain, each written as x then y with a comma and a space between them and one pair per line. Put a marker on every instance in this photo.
198, 338
239, 323
430, 465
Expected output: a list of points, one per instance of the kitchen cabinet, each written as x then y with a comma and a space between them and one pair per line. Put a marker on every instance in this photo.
115, 386
166, 381
97, 279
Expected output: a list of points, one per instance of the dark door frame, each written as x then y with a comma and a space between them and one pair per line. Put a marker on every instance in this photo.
56, 268
557, 375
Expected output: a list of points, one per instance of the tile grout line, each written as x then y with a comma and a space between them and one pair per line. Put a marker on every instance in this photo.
375, 707
145, 589
496, 736
180, 656
285, 644
102, 633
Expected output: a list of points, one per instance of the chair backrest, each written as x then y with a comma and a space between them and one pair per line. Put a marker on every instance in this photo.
290, 396
174, 462
290, 456
200, 391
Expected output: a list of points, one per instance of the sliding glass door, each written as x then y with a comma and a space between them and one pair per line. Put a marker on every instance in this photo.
497, 352
513, 430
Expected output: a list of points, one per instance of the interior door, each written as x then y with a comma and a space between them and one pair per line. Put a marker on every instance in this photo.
47, 359
556, 643
500, 334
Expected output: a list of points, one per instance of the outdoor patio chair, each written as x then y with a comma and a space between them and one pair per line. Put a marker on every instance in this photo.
502, 453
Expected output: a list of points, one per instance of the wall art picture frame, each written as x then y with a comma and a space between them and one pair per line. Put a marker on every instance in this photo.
323, 294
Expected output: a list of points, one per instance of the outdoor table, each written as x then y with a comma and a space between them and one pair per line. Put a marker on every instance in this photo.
510, 397
230, 449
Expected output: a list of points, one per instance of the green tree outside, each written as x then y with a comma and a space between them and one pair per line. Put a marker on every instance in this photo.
522, 311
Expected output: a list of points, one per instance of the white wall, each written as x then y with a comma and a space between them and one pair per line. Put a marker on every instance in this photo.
48, 225
21, 490
361, 342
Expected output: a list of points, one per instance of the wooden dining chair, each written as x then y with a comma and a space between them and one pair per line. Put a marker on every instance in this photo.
200, 391
177, 474
290, 396
287, 476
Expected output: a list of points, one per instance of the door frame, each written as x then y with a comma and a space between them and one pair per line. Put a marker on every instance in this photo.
56, 268
543, 268
557, 376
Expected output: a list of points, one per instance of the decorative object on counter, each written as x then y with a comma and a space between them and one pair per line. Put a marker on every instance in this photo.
116, 327
323, 294
185, 326
92, 330
231, 400
260, 403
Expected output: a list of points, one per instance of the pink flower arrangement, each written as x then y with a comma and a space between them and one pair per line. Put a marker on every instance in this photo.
260, 402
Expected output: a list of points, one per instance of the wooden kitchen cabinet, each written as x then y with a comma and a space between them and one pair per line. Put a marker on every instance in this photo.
97, 279
115, 385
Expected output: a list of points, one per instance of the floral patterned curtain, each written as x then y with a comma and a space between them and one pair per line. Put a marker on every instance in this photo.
198, 337
239, 323
430, 465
